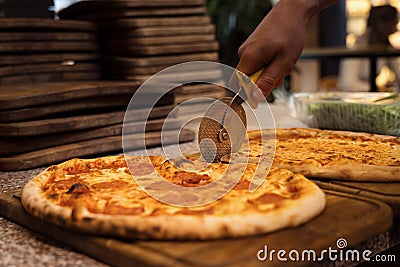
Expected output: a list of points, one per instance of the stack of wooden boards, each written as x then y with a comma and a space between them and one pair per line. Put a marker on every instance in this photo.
43, 50
44, 123
2, 13
141, 38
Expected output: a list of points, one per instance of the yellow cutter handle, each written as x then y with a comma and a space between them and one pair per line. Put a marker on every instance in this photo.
254, 77
249, 87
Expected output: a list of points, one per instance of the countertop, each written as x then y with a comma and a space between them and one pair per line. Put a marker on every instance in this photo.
22, 247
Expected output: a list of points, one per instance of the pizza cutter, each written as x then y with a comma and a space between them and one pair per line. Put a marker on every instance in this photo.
223, 127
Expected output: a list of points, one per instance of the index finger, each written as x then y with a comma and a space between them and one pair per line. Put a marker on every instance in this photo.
253, 59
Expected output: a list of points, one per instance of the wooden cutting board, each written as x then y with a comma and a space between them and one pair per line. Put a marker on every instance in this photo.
181, 48
191, 110
192, 76
94, 105
91, 148
387, 192
200, 87
57, 125
180, 98
88, 4
16, 70
162, 61
154, 41
47, 36
354, 218
115, 73
81, 7
122, 71
14, 146
162, 31
26, 47
35, 94
50, 77
159, 21
74, 123
48, 58
110, 14
30, 24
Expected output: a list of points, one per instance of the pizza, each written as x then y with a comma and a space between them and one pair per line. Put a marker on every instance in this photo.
103, 196
328, 154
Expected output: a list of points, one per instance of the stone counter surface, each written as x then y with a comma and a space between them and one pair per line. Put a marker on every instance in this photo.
22, 247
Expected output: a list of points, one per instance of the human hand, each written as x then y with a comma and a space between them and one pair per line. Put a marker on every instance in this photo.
276, 44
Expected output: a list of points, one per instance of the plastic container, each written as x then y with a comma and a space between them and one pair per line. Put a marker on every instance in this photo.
362, 112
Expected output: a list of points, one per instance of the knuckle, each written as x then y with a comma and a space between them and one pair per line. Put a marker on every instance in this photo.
279, 45
241, 50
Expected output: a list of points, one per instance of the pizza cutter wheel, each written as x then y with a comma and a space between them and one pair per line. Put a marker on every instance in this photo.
223, 127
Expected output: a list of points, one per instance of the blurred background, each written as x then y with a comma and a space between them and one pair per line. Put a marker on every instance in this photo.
338, 25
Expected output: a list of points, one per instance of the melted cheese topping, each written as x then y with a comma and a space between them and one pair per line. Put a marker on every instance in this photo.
105, 186
326, 147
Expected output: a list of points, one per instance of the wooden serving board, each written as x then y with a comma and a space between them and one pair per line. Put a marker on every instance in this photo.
57, 125
163, 31
154, 41
200, 87
82, 7
47, 58
14, 146
88, 4
68, 108
47, 36
98, 146
181, 48
110, 14
356, 219
162, 61
387, 192
127, 70
159, 21
35, 94
103, 103
201, 75
50, 77
26, 47
180, 98
16, 70
74, 123
29, 24
188, 111
111, 72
